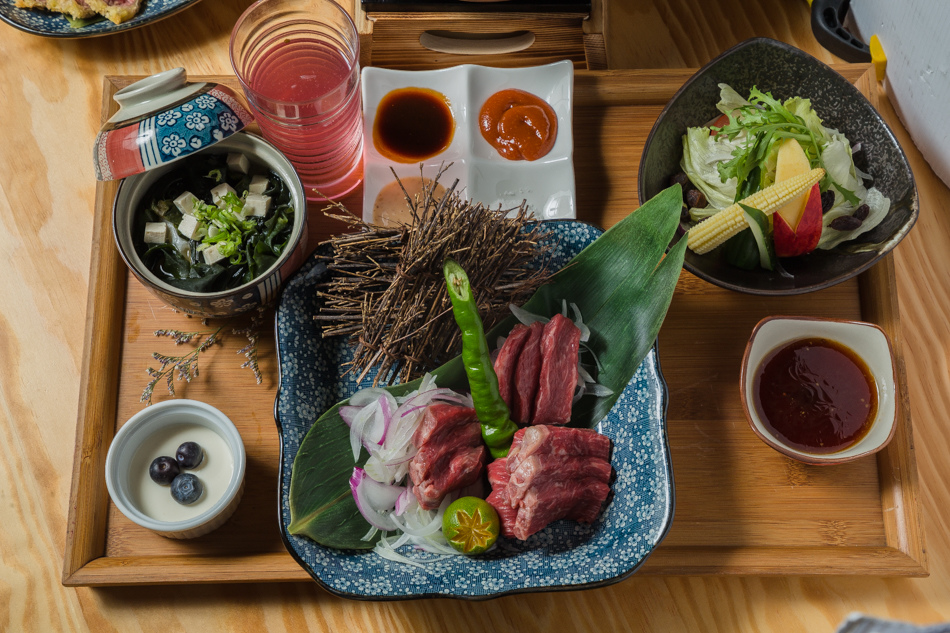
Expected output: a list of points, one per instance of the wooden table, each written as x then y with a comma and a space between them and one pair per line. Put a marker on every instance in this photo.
51, 94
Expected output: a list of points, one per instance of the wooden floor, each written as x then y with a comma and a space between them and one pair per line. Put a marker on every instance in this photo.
50, 92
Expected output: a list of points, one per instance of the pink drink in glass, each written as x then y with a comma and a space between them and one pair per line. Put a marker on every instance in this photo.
298, 63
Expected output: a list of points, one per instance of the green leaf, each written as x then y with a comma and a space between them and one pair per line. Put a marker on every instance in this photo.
623, 285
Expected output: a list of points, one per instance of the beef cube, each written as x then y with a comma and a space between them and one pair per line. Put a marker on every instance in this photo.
498, 499
452, 471
538, 469
560, 346
506, 362
450, 453
559, 441
527, 374
557, 499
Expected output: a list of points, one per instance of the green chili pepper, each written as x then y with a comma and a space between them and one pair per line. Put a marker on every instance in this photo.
492, 412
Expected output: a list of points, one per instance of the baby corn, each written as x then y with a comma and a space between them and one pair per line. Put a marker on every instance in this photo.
715, 230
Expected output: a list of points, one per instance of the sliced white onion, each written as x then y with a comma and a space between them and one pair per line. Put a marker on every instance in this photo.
374, 500
579, 322
385, 549
599, 390
524, 316
366, 396
373, 531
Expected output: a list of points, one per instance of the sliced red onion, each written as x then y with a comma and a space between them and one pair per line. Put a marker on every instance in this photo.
348, 413
374, 499
358, 428
366, 396
403, 501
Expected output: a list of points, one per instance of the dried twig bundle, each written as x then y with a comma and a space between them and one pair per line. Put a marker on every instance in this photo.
387, 291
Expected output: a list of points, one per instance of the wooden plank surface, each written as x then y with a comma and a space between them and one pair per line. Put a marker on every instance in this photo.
808, 523
47, 198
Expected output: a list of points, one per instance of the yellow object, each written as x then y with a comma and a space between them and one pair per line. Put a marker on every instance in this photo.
792, 161
729, 222
878, 58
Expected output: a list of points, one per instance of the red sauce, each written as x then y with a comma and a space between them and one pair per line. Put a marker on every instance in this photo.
518, 124
413, 124
816, 395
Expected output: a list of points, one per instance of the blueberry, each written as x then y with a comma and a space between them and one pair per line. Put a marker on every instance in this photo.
186, 489
189, 455
163, 470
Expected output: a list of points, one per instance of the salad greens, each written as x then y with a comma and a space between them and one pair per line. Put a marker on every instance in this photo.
730, 161
249, 245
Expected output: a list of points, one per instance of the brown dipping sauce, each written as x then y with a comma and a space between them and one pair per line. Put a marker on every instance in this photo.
518, 124
816, 395
413, 124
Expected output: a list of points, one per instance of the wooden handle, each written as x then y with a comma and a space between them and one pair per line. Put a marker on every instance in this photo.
461, 43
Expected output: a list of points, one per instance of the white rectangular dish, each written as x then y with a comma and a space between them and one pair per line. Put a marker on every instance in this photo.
485, 176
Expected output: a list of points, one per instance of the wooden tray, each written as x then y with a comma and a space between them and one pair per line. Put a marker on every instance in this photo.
741, 508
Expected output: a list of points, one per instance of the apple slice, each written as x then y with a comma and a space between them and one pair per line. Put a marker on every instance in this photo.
803, 237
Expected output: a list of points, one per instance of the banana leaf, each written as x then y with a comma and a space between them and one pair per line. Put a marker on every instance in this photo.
622, 284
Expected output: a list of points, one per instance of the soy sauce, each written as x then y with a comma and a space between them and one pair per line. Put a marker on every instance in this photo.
413, 124
816, 395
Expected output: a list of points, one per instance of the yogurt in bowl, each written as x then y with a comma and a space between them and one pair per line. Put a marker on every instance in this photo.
158, 431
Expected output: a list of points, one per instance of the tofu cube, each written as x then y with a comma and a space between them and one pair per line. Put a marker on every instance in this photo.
238, 162
258, 184
218, 193
212, 255
186, 203
188, 227
256, 204
155, 232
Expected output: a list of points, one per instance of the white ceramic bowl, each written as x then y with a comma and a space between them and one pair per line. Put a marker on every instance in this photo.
484, 175
866, 339
142, 426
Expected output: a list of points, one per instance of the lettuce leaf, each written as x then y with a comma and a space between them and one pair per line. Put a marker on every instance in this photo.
878, 205
702, 153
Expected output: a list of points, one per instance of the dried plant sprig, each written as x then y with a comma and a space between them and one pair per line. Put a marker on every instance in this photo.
185, 366
387, 292
253, 334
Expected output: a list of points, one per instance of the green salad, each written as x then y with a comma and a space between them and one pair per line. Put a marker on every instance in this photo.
214, 223
737, 155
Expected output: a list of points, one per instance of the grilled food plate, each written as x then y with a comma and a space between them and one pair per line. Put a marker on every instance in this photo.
564, 556
47, 24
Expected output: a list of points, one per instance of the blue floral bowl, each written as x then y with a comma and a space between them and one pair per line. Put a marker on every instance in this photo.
47, 24
564, 556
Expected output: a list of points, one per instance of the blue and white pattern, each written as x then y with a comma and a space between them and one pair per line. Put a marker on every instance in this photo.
49, 24
185, 129
563, 555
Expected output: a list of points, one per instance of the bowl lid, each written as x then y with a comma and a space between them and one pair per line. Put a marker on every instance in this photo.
163, 118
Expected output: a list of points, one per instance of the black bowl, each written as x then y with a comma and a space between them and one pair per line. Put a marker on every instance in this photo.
786, 72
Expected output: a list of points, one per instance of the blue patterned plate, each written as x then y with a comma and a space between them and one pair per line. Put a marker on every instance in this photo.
49, 24
565, 555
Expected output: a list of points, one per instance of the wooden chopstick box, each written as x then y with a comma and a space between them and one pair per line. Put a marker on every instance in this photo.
427, 34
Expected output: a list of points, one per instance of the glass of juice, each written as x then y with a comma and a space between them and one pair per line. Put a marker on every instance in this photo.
298, 62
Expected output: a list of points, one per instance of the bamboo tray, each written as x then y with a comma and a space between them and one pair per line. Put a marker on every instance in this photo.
741, 508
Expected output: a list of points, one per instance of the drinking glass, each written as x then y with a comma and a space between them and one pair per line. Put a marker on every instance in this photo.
298, 62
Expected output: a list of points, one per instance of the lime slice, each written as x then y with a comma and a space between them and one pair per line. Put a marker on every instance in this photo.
471, 525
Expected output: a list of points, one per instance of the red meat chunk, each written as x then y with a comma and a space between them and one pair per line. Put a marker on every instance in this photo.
450, 454
498, 499
560, 346
550, 473
506, 362
527, 375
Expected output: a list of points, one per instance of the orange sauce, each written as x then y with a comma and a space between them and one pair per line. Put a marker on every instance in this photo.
518, 124
816, 395
413, 124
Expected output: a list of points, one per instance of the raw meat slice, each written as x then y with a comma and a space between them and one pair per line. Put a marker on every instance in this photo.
454, 470
506, 362
559, 441
560, 345
526, 375
450, 453
498, 478
557, 500
440, 420
538, 469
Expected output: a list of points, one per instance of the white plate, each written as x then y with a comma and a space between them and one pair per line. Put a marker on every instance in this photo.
484, 175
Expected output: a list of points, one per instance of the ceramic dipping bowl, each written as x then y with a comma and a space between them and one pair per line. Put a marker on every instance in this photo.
867, 340
157, 430
161, 120
786, 72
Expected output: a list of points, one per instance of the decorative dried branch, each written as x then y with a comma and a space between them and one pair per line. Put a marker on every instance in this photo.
388, 294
